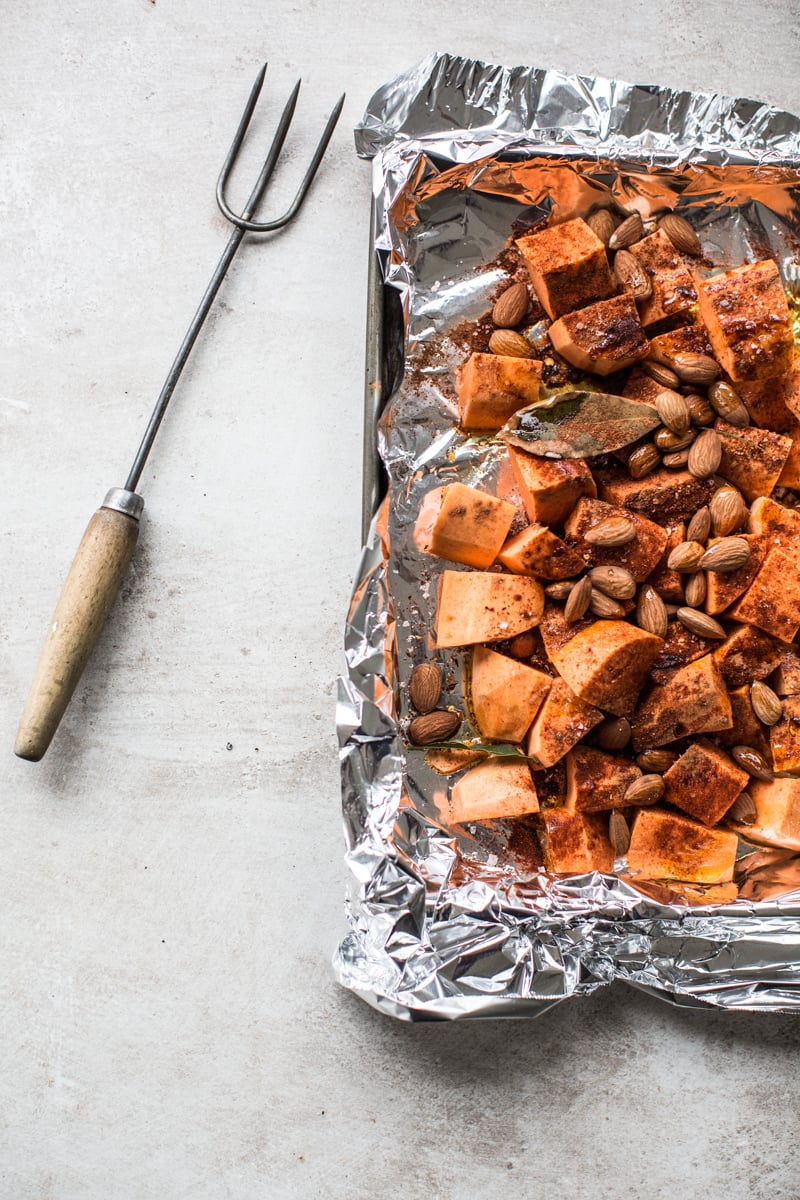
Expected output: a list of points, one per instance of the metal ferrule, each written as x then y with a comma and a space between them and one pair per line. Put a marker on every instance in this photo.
121, 500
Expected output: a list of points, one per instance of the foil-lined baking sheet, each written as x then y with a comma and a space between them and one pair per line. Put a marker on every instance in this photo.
447, 921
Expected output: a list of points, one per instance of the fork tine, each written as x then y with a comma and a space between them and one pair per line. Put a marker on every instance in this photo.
319, 154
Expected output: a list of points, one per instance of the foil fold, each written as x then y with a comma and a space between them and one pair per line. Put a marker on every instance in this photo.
441, 926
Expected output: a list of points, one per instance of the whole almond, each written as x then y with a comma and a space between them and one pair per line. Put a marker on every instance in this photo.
695, 590
699, 527
578, 600
560, 590
705, 454
695, 368
509, 344
686, 557
751, 761
425, 687
435, 726
766, 705
673, 411
631, 275
613, 734
646, 790
676, 460
602, 224
728, 510
613, 531
660, 373
643, 460
522, 646
510, 306
614, 581
669, 442
631, 230
727, 403
658, 761
618, 834
743, 810
651, 614
728, 554
681, 234
605, 607
700, 623
700, 410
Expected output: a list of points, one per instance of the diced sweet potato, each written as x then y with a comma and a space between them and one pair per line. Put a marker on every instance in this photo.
680, 647
574, 843
778, 524
746, 729
723, 587
449, 760
550, 488
694, 700
673, 290
642, 387
787, 387
499, 787
784, 737
639, 556
669, 584
774, 403
704, 782
568, 266
481, 606
470, 525
663, 496
606, 663
666, 846
786, 681
748, 322
537, 551
746, 654
772, 602
597, 781
689, 339
752, 459
603, 338
560, 723
790, 472
506, 694
492, 387
777, 820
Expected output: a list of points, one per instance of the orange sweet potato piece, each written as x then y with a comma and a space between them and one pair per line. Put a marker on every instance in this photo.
694, 700
496, 788
790, 472
641, 387
786, 681
568, 266
550, 488
752, 459
704, 782
639, 556
597, 781
784, 737
666, 846
774, 403
560, 723
470, 526
777, 820
680, 648
689, 339
746, 654
669, 584
673, 290
746, 729
574, 843
663, 496
538, 551
723, 587
492, 387
778, 524
481, 606
748, 321
603, 338
772, 602
605, 663
506, 694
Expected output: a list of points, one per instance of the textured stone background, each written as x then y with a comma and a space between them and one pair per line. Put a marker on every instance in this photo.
170, 1027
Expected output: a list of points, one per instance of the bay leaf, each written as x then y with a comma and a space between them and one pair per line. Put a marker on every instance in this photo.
579, 424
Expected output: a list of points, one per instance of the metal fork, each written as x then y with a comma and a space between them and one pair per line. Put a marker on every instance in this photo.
110, 538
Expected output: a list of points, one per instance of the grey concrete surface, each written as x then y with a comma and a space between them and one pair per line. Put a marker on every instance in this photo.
171, 874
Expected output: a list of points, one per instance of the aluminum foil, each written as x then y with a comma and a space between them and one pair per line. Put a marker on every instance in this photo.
450, 922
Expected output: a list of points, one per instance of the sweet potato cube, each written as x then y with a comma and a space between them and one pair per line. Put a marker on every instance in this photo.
680, 647
537, 551
777, 820
777, 523
506, 694
496, 788
639, 556
774, 403
550, 488
752, 459
669, 584
694, 700
568, 266
641, 387
597, 781
746, 654
662, 496
492, 387
723, 587
673, 290
790, 472
784, 737
772, 602
560, 723
746, 729
574, 843
481, 606
786, 681
689, 339
748, 322
470, 526
666, 846
704, 782
603, 338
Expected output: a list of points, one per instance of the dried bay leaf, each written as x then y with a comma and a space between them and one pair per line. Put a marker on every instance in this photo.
579, 424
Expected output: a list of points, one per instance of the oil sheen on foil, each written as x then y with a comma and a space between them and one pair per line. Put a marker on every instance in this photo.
455, 922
